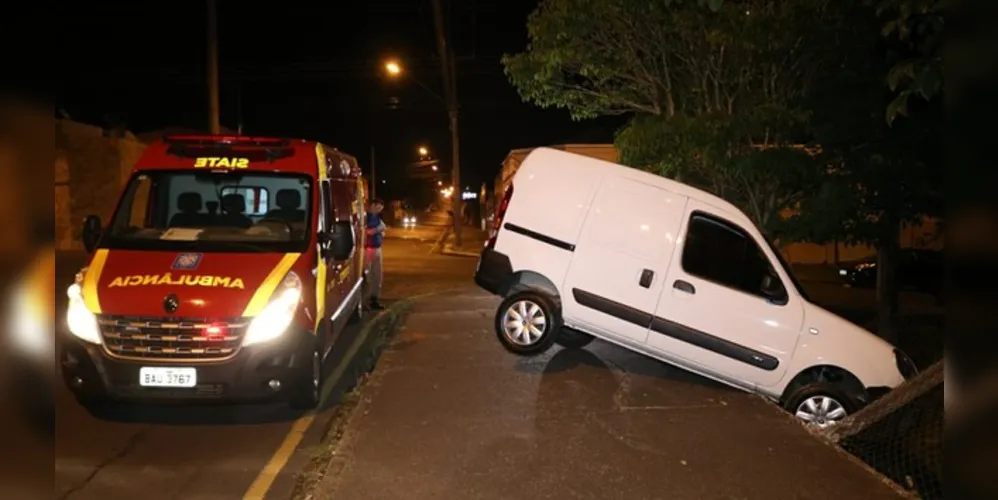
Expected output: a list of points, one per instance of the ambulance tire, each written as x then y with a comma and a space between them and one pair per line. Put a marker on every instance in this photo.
93, 401
357, 316
543, 316
307, 388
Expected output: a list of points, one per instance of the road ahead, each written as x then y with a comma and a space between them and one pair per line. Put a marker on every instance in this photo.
207, 452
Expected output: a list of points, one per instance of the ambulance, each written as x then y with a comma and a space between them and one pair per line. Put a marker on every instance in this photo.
226, 272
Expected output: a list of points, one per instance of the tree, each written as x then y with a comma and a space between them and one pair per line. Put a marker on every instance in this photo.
882, 175
713, 91
918, 24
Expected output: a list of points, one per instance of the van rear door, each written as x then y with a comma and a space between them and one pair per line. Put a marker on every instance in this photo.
620, 262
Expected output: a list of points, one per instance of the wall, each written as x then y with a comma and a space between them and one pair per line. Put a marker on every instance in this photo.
927, 235
605, 152
26, 144
90, 170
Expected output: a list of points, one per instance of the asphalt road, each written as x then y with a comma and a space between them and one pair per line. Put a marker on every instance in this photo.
215, 451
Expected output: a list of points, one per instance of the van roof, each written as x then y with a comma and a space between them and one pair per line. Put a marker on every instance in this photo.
181, 152
588, 166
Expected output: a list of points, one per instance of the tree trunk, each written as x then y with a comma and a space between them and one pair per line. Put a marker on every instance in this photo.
887, 286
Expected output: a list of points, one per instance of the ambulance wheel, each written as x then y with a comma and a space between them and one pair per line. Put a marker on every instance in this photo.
357, 315
527, 323
308, 387
573, 339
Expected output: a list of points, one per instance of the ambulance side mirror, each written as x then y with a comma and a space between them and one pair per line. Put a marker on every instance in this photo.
340, 241
91, 232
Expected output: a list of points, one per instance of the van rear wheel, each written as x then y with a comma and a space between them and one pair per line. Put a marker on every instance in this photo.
527, 323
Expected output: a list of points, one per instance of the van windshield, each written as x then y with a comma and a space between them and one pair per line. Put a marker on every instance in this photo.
210, 211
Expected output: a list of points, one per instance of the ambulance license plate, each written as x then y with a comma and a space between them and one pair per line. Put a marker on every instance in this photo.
150, 376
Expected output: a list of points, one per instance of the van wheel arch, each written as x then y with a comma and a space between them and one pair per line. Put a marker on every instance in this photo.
522, 281
827, 374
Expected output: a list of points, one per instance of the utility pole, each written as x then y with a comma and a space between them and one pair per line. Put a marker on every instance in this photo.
213, 108
447, 71
374, 180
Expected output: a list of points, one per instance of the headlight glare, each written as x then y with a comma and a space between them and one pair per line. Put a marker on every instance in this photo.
80, 320
31, 328
277, 316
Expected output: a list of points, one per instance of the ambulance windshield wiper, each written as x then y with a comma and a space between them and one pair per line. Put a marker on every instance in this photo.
241, 245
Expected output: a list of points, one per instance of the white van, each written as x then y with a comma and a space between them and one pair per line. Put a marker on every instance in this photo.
584, 248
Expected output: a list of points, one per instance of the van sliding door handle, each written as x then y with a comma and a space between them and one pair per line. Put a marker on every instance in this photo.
647, 276
684, 286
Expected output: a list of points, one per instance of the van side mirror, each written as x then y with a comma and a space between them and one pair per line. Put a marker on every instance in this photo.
773, 289
91, 232
340, 242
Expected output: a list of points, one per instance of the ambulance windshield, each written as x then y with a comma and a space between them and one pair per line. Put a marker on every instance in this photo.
175, 210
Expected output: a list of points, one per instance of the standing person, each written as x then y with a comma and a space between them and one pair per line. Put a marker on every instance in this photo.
375, 237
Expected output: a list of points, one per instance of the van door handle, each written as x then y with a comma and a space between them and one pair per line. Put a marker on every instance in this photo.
684, 286
647, 276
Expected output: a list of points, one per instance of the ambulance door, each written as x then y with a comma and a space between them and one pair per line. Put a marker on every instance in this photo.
327, 265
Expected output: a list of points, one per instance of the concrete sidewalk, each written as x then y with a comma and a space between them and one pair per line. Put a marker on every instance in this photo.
449, 414
472, 241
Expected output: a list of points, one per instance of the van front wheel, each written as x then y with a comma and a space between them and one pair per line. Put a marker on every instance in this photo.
527, 323
821, 404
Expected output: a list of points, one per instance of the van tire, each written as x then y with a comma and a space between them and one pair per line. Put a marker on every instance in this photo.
305, 392
837, 396
573, 339
546, 323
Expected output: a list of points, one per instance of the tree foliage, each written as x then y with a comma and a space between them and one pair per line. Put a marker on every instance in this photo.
714, 91
883, 176
918, 25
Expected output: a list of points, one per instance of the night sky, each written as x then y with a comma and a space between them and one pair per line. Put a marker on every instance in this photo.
313, 70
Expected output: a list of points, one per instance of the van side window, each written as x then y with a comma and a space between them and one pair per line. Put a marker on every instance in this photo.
724, 254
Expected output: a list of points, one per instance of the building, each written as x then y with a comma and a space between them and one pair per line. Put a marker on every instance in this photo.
927, 235
515, 157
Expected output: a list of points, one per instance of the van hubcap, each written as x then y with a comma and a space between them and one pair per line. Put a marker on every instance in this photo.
821, 411
524, 322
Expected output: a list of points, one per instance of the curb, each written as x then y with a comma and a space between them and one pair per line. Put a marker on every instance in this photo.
439, 244
384, 320
387, 321
458, 253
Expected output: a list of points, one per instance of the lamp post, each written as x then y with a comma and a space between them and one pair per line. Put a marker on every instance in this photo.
393, 68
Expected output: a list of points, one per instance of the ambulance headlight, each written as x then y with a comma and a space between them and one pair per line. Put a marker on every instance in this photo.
80, 320
277, 316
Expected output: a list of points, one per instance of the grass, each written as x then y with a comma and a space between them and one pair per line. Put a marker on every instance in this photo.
323, 453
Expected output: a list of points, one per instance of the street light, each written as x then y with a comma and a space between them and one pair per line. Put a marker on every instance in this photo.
393, 68
434, 167
423, 151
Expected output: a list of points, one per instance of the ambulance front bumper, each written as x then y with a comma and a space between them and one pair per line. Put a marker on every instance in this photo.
259, 372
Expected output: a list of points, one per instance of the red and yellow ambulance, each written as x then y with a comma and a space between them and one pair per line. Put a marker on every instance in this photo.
227, 271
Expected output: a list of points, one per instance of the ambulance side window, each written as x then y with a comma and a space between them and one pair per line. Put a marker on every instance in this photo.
139, 211
327, 207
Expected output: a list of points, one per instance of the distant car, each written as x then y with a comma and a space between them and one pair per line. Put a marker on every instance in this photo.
918, 270
408, 219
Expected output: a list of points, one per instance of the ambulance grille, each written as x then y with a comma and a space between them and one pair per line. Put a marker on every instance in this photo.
181, 339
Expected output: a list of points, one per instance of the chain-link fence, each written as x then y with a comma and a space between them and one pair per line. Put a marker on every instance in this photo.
901, 434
